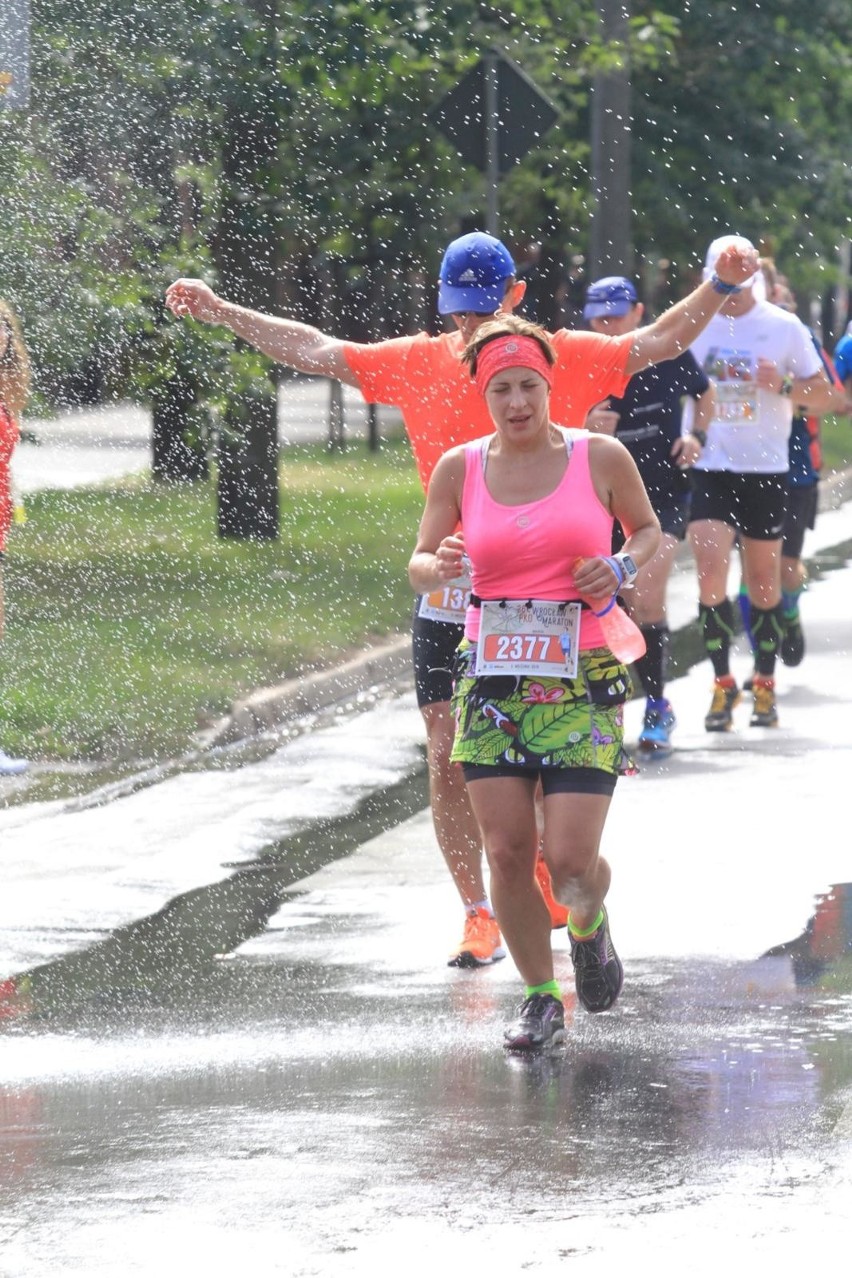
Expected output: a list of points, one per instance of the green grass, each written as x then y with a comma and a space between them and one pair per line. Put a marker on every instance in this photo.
836, 435
130, 624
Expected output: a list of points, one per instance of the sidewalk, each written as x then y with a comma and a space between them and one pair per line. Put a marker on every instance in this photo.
90, 445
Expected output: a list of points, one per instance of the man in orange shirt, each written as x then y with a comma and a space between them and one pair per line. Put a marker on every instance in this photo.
441, 407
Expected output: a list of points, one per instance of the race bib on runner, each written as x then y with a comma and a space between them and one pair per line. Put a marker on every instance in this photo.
537, 637
733, 374
449, 603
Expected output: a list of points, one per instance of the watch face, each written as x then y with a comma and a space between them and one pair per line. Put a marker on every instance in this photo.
629, 566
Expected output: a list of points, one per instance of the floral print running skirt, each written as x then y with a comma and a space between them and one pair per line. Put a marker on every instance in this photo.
542, 723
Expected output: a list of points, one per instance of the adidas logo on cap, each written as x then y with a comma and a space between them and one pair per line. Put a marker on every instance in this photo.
468, 276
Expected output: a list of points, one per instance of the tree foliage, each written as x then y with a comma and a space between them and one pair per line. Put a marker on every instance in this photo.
118, 181
742, 128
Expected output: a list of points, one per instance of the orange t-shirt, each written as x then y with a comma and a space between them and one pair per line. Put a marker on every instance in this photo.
424, 377
9, 434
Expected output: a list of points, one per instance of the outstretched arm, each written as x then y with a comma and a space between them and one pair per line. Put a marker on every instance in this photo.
287, 341
677, 328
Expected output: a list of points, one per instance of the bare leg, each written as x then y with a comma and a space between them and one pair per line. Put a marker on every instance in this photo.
712, 542
762, 566
455, 825
505, 809
573, 827
793, 574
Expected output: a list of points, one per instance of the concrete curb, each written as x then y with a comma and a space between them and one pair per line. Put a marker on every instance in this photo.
269, 708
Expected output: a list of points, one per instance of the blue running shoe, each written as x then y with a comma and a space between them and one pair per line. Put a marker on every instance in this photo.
655, 737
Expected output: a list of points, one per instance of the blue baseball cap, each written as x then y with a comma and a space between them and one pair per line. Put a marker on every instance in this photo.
473, 274
613, 295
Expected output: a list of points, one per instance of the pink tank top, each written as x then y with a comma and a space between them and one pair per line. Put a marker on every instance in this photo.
526, 552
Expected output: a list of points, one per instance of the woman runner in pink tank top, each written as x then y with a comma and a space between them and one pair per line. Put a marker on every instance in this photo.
538, 696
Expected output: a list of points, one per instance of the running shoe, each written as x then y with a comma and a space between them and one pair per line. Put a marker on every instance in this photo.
655, 737
481, 943
540, 1024
793, 642
11, 767
598, 973
764, 712
726, 695
558, 912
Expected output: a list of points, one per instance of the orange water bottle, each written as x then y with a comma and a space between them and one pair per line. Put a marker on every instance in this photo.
621, 634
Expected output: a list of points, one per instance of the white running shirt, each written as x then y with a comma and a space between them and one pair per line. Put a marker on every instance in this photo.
750, 426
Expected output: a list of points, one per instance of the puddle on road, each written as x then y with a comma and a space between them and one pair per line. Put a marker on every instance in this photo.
709, 1104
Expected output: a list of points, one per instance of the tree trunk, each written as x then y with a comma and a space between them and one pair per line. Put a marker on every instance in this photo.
247, 248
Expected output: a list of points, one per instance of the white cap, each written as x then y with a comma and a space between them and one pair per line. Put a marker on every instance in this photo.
718, 246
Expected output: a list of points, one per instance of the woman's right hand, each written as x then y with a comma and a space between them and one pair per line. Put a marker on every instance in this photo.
195, 298
449, 557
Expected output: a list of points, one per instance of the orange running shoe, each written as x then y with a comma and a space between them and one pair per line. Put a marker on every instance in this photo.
481, 943
558, 913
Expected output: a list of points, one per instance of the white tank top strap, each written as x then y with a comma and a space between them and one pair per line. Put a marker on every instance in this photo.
570, 435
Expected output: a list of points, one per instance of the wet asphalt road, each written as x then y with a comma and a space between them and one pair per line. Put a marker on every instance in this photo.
303, 1107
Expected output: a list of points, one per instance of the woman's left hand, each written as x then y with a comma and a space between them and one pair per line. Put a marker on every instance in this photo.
595, 577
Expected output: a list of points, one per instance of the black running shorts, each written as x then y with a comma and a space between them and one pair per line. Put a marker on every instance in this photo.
801, 515
553, 780
755, 505
433, 647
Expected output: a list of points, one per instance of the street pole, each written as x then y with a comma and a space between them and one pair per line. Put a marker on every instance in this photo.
611, 248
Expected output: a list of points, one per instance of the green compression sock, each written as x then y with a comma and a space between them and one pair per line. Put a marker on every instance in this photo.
585, 933
549, 987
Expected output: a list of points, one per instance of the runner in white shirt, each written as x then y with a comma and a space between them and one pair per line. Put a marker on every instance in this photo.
761, 360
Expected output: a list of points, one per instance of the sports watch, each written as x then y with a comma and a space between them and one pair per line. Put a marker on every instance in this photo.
628, 567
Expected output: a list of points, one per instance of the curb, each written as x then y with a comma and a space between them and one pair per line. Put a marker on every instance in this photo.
269, 708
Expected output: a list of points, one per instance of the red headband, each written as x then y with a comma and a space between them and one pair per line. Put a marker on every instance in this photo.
511, 352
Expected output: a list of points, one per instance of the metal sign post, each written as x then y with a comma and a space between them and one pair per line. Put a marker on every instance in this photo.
493, 117
14, 55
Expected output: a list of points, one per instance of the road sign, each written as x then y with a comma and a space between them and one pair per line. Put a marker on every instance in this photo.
520, 116
14, 55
